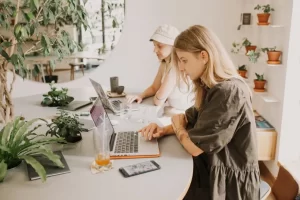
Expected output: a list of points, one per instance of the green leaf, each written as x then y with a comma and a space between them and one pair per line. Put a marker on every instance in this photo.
6, 133
3, 170
40, 170
24, 33
4, 148
29, 15
36, 4
20, 134
4, 54
53, 157
32, 29
6, 44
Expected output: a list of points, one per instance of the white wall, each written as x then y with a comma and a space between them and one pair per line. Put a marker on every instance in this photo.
290, 133
133, 59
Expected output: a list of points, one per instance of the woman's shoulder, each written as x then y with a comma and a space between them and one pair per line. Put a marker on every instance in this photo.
233, 87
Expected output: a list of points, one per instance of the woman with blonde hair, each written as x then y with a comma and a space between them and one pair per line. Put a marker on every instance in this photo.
219, 131
164, 87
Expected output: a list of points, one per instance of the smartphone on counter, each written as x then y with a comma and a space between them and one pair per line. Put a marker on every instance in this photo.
139, 168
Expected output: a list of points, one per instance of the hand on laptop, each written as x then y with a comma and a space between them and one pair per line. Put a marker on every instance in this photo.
136, 98
152, 131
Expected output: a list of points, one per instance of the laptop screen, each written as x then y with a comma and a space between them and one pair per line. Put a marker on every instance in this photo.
101, 94
98, 113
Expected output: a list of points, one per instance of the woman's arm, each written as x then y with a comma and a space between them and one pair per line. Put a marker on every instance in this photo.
179, 124
166, 88
152, 89
186, 142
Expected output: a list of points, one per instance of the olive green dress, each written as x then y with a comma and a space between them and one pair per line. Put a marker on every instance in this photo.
224, 128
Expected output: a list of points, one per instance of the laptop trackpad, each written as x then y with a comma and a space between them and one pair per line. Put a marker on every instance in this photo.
148, 147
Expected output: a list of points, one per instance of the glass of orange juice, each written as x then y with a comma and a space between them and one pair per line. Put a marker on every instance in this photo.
101, 146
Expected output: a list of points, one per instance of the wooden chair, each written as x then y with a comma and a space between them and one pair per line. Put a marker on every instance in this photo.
285, 186
73, 65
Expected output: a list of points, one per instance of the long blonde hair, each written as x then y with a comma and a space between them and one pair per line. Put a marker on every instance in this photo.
219, 66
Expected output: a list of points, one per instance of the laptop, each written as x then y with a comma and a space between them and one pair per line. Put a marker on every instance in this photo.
125, 144
112, 105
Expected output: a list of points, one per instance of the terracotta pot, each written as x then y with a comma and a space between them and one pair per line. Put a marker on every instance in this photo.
242, 73
249, 48
260, 85
263, 18
274, 55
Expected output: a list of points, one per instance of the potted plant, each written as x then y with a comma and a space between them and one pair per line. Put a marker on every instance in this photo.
66, 126
273, 55
20, 142
246, 43
242, 71
263, 18
253, 56
259, 83
56, 97
56, 41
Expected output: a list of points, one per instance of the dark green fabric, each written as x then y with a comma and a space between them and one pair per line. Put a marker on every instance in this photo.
224, 128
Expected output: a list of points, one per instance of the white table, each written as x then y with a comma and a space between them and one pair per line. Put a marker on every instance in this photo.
170, 182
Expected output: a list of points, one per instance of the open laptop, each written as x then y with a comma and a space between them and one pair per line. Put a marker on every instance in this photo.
112, 105
125, 144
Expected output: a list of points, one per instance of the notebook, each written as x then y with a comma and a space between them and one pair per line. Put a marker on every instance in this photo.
75, 105
125, 144
50, 167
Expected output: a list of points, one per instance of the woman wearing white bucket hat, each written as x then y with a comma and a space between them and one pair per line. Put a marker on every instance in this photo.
164, 87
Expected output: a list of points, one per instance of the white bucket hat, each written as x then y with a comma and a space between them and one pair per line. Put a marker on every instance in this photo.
165, 34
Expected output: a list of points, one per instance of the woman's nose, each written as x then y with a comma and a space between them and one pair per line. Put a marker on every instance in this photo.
155, 50
181, 67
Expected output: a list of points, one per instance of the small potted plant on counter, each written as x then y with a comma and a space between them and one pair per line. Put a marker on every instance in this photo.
56, 97
20, 142
259, 83
66, 126
242, 71
273, 55
263, 17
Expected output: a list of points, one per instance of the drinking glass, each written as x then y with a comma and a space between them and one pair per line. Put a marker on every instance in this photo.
101, 146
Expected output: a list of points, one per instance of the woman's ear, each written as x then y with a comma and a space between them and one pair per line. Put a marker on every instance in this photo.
204, 56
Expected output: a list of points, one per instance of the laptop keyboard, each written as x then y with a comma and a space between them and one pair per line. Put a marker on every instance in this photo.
116, 104
127, 142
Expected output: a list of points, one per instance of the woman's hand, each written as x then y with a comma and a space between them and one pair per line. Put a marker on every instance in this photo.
136, 98
152, 131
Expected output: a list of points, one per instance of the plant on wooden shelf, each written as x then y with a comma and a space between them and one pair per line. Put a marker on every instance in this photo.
263, 17
246, 43
242, 71
273, 55
53, 15
66, 126
259, 83
253, 56
19, 141
56, 97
